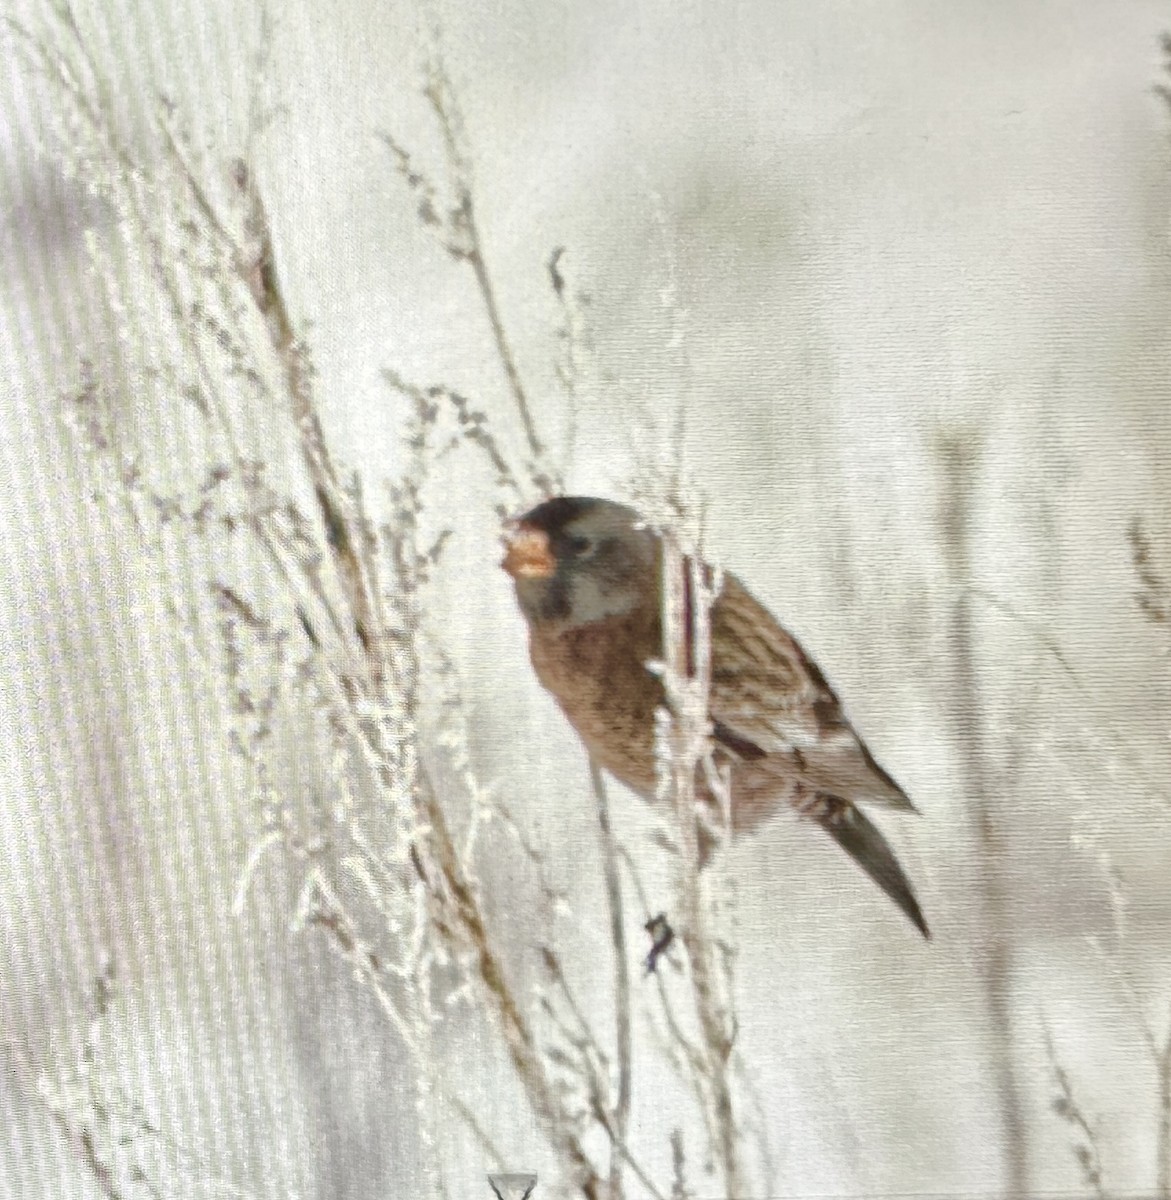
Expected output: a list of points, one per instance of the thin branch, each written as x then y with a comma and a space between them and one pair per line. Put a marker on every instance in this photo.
1097, 730
621, 972
687, 598
518, 1036
960, 457
438, 92
1163, 1128
1085, 1145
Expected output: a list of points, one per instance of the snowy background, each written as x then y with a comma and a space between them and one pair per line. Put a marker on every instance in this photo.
905, 265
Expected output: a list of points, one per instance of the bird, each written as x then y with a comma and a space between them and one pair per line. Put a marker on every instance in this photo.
588, 578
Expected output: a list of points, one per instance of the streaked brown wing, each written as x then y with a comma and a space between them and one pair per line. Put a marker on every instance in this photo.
768, 694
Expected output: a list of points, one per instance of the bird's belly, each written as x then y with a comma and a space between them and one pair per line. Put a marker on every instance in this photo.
617, 725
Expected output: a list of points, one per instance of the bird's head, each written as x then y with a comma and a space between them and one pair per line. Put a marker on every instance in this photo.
576, 560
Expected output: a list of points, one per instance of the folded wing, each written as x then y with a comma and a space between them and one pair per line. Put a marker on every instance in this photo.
767, 693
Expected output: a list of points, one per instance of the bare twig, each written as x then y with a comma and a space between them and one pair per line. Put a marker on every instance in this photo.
1163, 1126
572, 335
458, 228
621, 973
112, 1134
959, 455
469, 247
684, 736
1085, 1145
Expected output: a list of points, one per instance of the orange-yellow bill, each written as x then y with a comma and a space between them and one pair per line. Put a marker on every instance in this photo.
528, 555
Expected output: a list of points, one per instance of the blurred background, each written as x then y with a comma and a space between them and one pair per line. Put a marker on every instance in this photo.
903, 267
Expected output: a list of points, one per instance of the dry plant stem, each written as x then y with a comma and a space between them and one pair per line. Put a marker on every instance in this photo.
959, 462
1095, 727
328, 914
522, 1045
621, 975
687, 678
461, 922
570, 369
1163, 1134
1096, 731
678, 1167
123, 1150
253, 264
439, 94
475, 256
1160, 1051
377, 685
1085, 1148
693, 1055
357, 573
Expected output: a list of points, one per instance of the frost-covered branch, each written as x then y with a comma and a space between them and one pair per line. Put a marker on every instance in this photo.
1091, 756
683, 753
331, 660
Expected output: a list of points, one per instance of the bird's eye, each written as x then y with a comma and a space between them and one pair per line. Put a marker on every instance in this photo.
581, 546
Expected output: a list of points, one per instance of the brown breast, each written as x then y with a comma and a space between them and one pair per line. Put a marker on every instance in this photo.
597, 674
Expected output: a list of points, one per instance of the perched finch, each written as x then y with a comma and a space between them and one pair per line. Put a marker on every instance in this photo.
588, 579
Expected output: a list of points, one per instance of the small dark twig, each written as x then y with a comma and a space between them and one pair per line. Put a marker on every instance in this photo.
662, 935
1154, 593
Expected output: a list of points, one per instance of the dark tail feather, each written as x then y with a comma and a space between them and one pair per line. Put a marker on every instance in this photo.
863, 842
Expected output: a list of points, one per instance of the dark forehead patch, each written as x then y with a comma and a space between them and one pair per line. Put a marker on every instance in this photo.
554, 515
